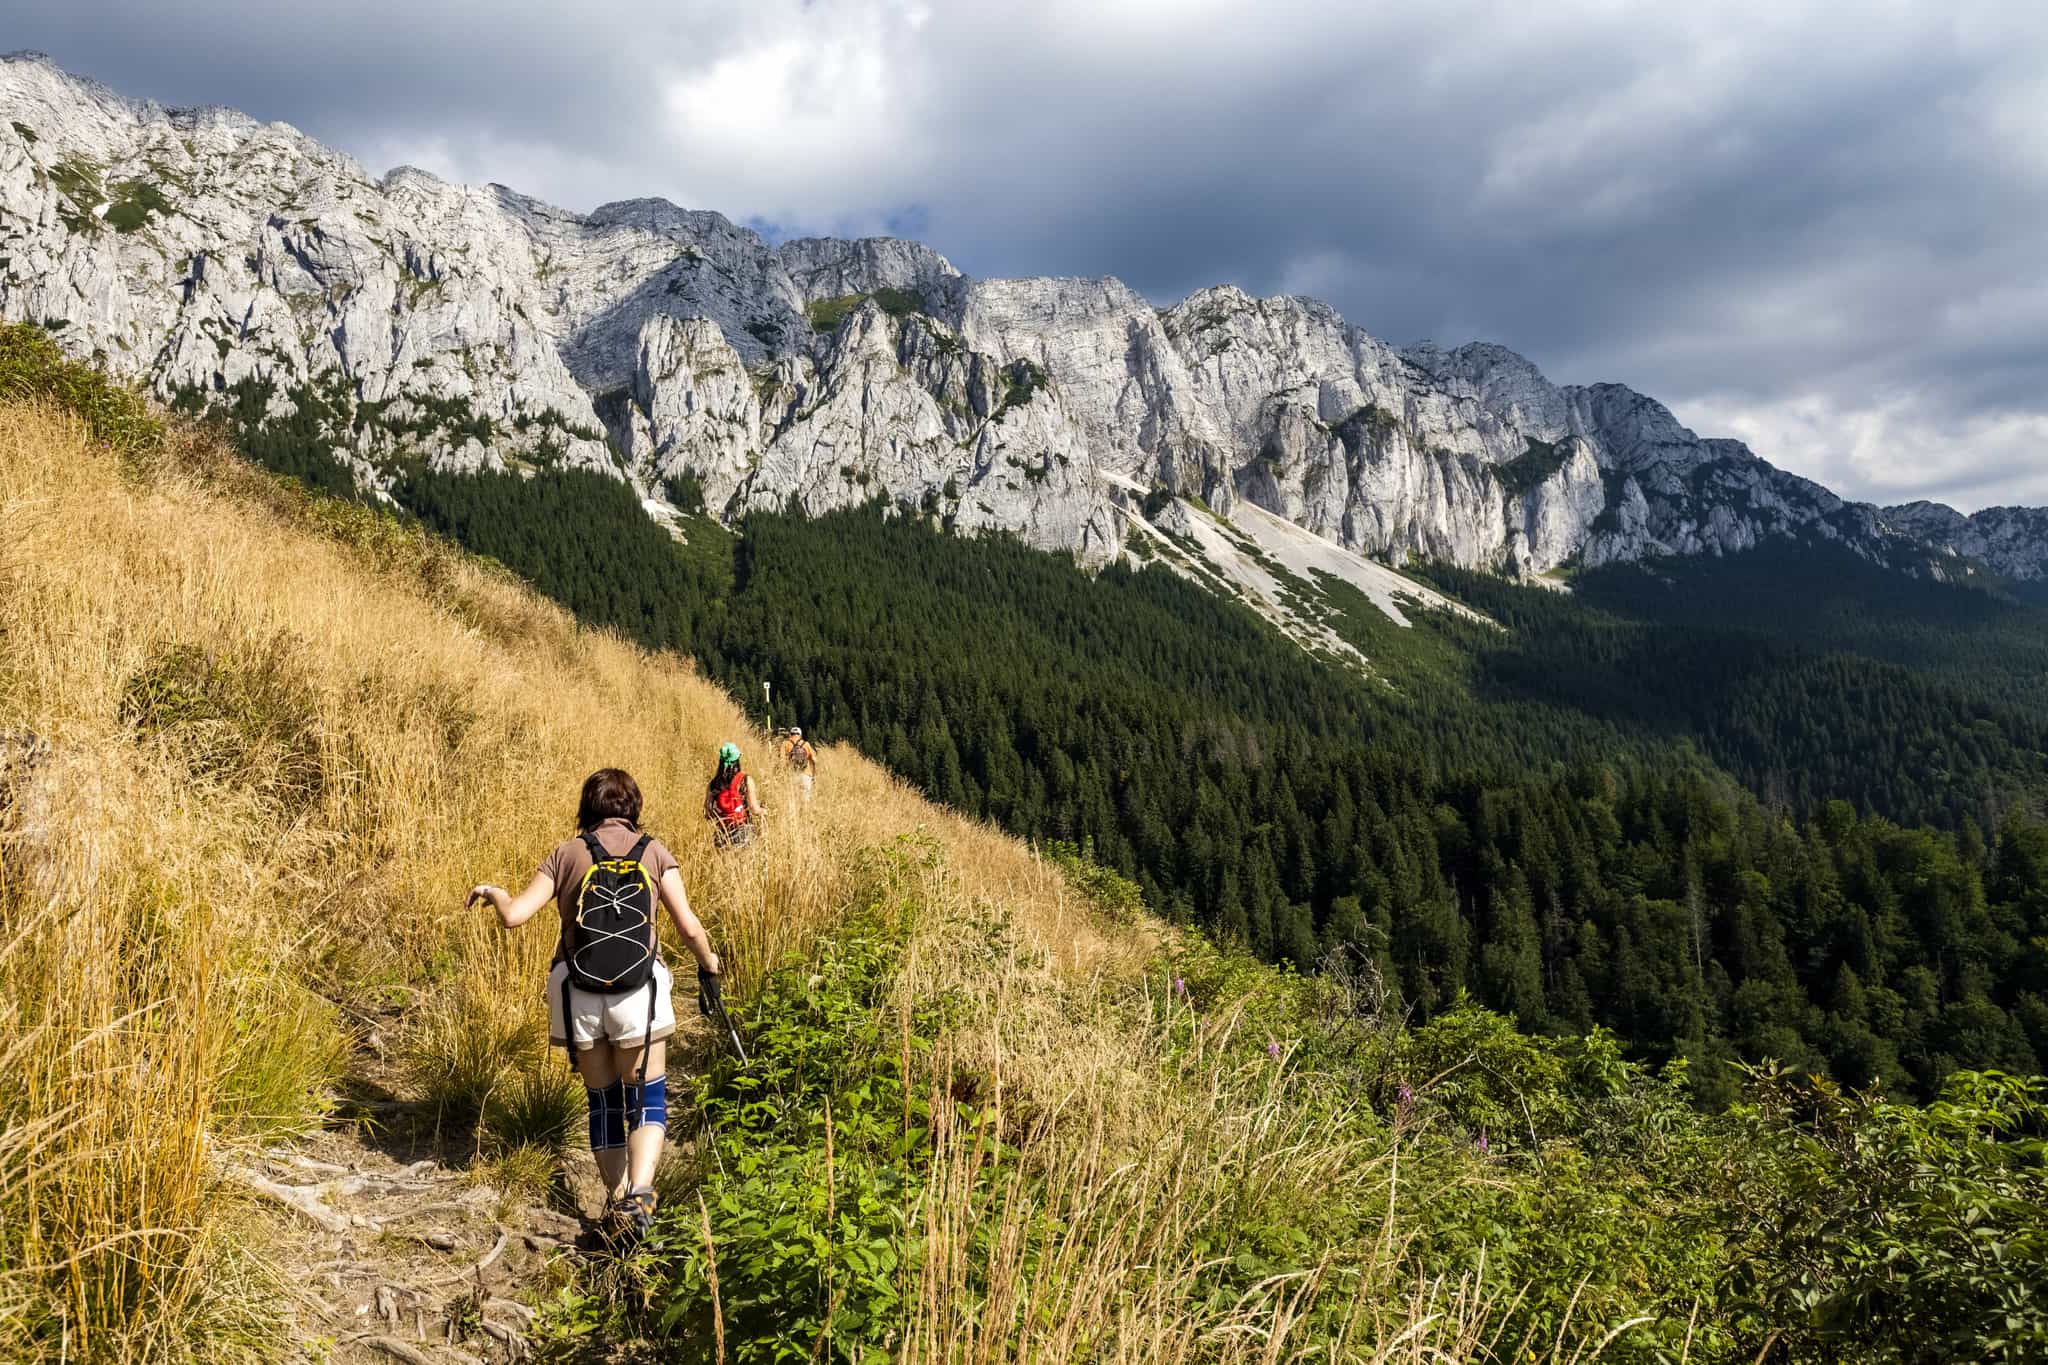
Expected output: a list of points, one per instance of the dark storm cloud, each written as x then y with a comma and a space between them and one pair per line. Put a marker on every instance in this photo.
1816, 227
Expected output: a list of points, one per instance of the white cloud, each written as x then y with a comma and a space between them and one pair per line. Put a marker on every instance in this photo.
1889, 450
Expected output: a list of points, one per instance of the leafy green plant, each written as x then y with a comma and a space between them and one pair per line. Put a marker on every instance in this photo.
1867, 1230
819, 1156
1114, 895
32, 367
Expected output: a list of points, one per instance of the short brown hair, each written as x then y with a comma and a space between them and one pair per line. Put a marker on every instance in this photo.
608, 793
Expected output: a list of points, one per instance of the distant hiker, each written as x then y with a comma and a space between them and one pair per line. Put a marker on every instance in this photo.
608, 993
729, 801
803, 760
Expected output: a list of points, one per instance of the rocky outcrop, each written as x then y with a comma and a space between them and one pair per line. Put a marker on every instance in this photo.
2009, 541
831, 267
219, 259
692, 410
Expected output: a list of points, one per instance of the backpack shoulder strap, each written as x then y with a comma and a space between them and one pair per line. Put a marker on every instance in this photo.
597, 853
639, 848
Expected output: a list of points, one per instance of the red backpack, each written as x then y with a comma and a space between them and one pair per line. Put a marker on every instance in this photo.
732, 800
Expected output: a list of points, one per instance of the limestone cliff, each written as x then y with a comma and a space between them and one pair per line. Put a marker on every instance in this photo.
215, 258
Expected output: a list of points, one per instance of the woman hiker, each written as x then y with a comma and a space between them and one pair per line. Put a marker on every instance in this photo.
729, 801
609, 991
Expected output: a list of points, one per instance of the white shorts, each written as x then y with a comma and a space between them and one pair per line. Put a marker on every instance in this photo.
803, 785
619, 1019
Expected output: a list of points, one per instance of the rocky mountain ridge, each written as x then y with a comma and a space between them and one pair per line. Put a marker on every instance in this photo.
222, 260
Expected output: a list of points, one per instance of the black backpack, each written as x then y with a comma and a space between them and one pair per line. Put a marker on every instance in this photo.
609, 944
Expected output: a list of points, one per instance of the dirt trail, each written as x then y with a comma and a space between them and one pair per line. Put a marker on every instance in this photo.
391, 1248
410, 1261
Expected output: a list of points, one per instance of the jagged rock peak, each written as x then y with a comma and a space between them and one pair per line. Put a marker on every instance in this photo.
833, 267
666, 219
2012, 541
475, 327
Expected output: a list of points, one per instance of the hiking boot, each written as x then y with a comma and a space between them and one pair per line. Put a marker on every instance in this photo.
636, 1213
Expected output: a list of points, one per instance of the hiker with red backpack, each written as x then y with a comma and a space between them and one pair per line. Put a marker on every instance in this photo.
729, 801
608, 993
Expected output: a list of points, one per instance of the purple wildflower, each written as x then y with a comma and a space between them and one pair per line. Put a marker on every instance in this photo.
1180, 987
1482, 1146
1273, 1051
1404, 1096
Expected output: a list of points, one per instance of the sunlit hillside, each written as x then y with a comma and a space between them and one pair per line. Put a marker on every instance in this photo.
256, 750
254, 747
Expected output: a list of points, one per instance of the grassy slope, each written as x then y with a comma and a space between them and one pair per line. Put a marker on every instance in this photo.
283, 736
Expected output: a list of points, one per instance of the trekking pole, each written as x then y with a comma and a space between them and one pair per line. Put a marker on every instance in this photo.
732, 1035
768, 703
711, 1003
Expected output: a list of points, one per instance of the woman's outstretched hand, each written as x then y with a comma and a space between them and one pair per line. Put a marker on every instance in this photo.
498, 896
514, 911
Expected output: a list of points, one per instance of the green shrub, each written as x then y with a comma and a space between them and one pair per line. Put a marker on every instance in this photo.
1022, 380
827, 315
1864, 1230
135, 202
1496, 1087
808, 1249
899, 303
1529, 469
32, 368
1115, 896
1368, 423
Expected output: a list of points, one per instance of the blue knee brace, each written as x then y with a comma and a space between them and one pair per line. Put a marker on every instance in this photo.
647, 1103
607, 1117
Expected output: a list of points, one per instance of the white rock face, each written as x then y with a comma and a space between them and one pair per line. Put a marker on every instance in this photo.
831, 267
692, 409
198, 251
2012, 541
1105, 350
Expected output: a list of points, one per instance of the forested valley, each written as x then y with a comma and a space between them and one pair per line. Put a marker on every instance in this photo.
1784, 805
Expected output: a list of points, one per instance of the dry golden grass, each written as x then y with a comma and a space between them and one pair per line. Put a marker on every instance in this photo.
210, 848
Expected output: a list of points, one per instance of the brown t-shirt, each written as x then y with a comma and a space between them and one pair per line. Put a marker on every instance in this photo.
571, 859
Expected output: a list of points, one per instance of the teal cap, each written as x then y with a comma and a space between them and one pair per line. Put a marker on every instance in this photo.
728, 753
